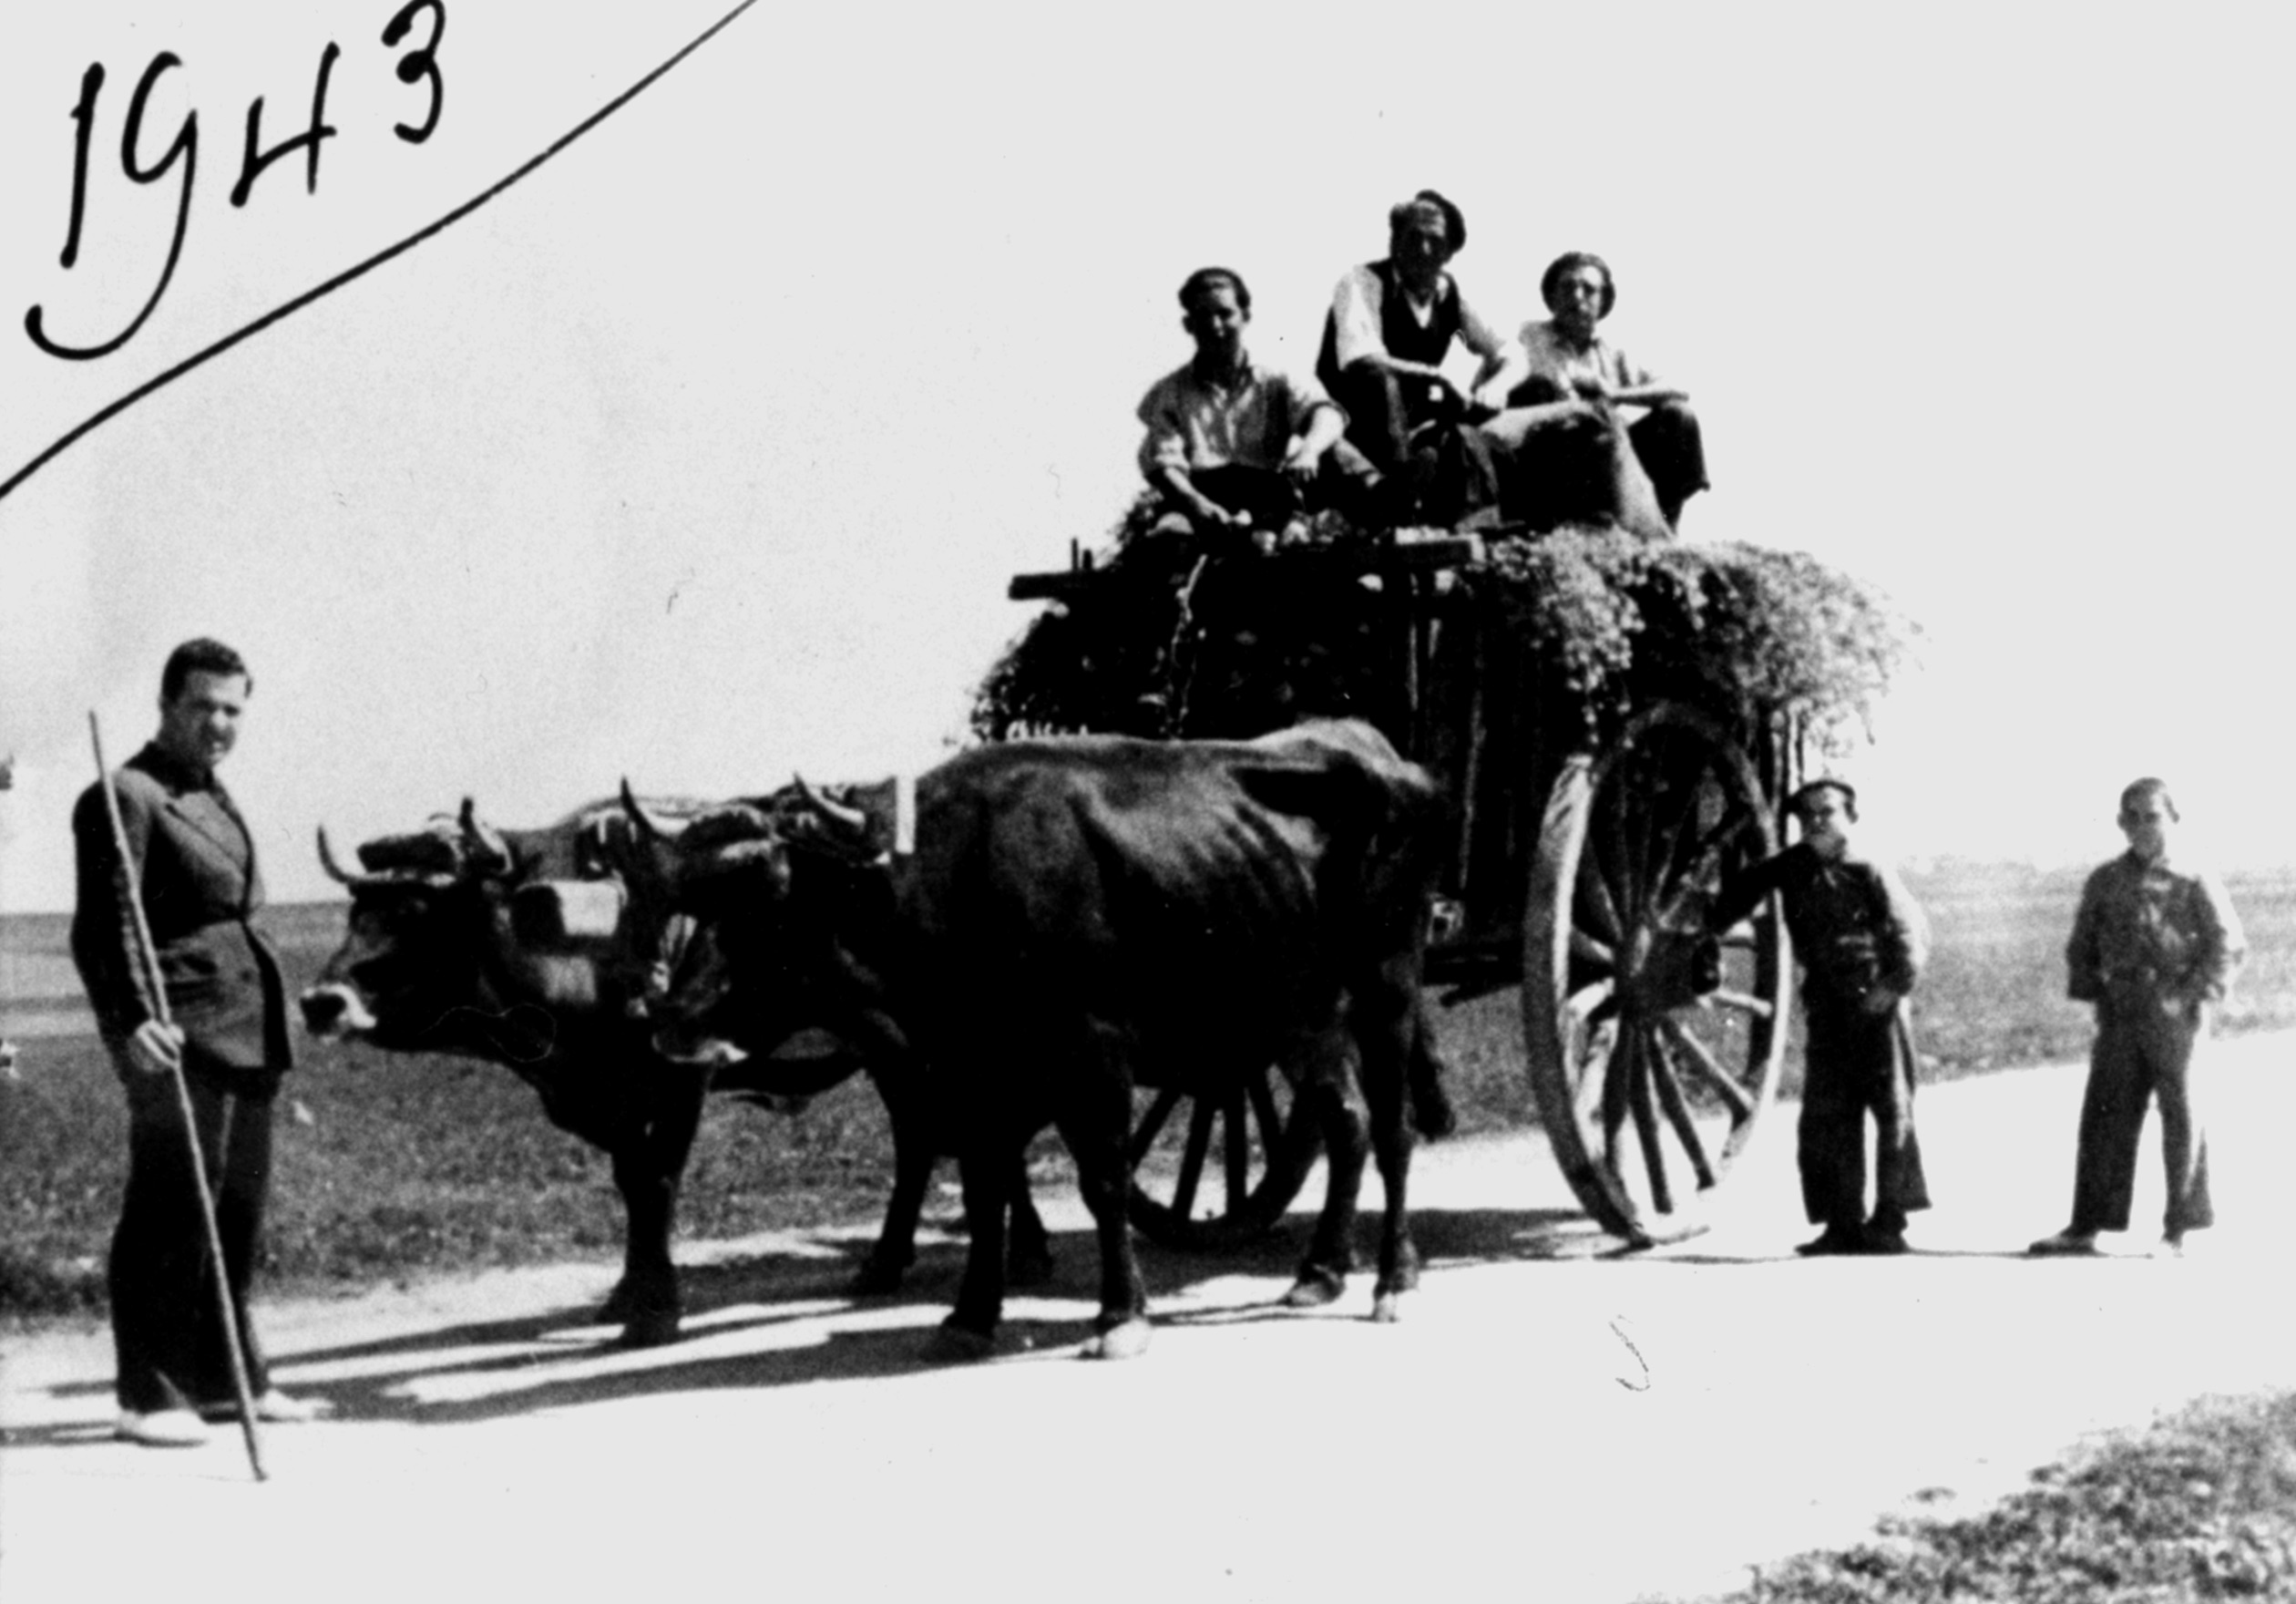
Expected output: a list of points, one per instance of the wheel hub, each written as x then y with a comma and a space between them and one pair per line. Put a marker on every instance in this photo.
1665, 969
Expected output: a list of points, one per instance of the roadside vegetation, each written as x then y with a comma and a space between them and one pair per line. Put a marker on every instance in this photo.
2201, 1505
390, 1168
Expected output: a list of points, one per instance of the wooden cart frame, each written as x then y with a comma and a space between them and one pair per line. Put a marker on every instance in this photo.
1581, 871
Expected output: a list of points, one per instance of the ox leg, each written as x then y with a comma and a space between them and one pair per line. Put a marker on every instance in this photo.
1323, 1274
1096, 1124
917, 1128
647, 1172
1391, 1021
1028, 1255
1432, 1114
970, 1330
915, 1147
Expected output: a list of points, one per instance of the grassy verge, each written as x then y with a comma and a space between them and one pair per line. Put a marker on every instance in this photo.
388, 1168
1993, 995
2201, 1505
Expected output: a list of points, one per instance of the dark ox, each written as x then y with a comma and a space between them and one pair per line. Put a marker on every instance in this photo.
537, 950
1079, 915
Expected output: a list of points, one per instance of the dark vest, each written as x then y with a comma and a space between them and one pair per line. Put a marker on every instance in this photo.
1399, 332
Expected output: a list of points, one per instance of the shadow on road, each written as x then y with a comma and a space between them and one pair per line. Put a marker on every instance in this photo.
781, 1319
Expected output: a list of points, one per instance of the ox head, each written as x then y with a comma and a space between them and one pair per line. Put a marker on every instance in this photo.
409, 957
762, 879
463, 938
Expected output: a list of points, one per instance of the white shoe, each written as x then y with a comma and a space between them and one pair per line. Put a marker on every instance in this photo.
272, 1408
161, 1428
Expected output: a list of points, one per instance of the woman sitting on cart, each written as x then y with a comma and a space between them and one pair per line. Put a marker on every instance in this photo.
1235, 446
1390, 327
1565, 448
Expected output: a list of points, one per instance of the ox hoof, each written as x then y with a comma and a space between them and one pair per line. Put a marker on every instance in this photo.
1387, 1308
958, 1345
1313, 1288
1127, 1339
655, 1329
1029, 1268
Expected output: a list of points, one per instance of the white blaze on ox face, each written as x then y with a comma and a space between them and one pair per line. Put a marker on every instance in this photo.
335, 1008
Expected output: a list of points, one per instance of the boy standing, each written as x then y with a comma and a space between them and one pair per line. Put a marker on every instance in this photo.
2154, 948
1861, 941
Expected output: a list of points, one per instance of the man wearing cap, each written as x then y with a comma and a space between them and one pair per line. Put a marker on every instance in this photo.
1861, 941
1576, 382
2154, 946
195, 866
1391, 326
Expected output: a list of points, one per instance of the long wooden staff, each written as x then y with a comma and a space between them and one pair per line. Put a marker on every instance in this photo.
131, 885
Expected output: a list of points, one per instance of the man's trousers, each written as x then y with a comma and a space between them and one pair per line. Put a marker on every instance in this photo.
1856, 1063
167, 1331
2142, 1052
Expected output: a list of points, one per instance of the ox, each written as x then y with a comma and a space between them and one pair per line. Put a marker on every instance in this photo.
1075, 917
535, 949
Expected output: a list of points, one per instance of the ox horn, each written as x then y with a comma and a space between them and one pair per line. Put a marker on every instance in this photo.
837, 813
482, 838
645, 823
335, 871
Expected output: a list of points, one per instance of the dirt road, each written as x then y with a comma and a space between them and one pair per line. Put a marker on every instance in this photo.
1545, 1423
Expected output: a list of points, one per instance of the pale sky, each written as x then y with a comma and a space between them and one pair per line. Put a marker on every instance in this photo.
704, 453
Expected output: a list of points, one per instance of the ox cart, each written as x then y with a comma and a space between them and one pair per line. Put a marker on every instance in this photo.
1617, 725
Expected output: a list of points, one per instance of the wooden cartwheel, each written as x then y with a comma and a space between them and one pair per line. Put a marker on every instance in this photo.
1635, 1019
1241, 1158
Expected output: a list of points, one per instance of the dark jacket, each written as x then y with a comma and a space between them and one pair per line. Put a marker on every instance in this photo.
1854, 925
200, 890
2150, 934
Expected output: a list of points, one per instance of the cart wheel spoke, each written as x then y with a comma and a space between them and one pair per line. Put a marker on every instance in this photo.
1668, 1085
1647, 1128
1665, 862
1617, 860
1191, 1159
1239, 1148
1616, 1074
1595, 1068
1698, 868
1152, 1125
1703, 1062
1266, 1152
1592, 1003
1596, 908
1586, 949
1756, 1006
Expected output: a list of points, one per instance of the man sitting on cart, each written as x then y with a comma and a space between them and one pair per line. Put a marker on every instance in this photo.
1232, 443
1566, 452
1391, 324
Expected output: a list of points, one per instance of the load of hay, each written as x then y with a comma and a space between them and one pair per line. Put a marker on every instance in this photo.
1590, 624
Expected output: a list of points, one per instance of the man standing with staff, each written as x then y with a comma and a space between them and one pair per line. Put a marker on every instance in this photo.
222, 1023
2154, 948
